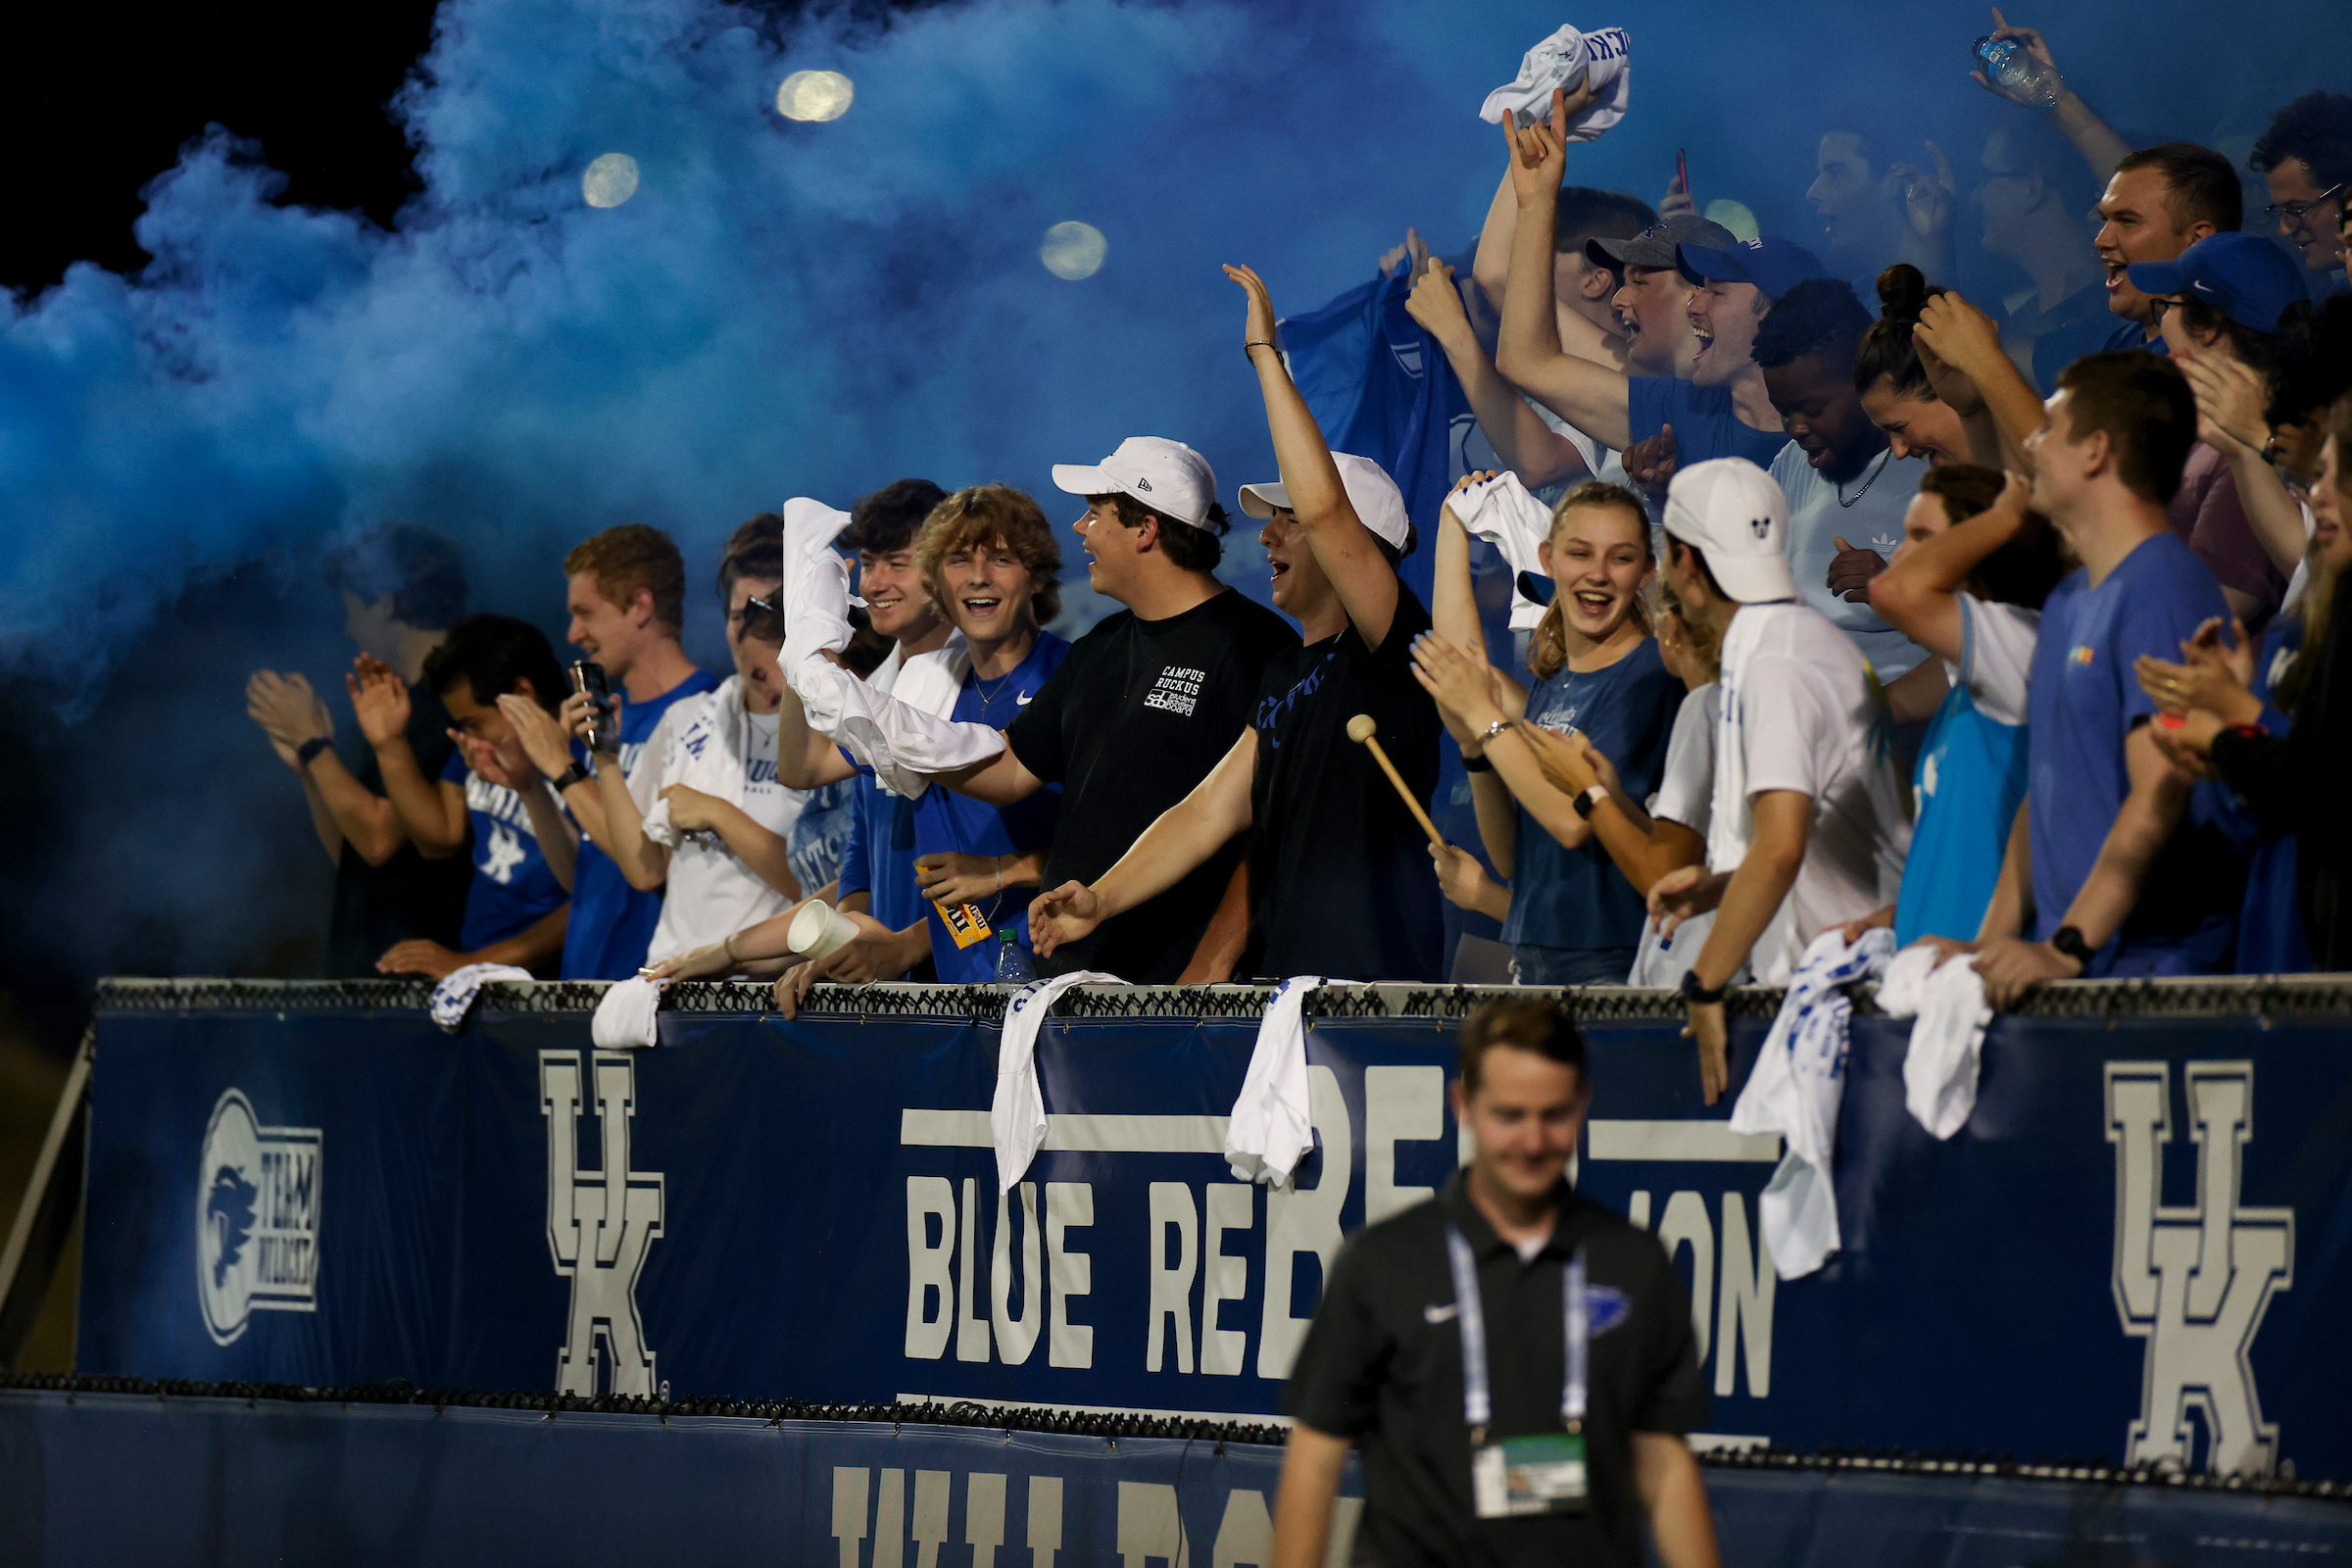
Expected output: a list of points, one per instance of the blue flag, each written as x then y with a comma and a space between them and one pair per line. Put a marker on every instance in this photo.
1379, 387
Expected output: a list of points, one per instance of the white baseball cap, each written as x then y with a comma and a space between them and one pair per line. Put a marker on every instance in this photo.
1379, 505
1735, 513
1165, 475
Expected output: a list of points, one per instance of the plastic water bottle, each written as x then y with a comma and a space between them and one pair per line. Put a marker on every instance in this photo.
2009, 67
1014, 966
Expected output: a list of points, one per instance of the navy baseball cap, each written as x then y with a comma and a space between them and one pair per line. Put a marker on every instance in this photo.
2244, 277
1773, 265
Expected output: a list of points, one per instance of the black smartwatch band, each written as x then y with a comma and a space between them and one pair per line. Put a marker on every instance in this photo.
2069, 941
1477, 765
574, 774
1699, 994
308, 751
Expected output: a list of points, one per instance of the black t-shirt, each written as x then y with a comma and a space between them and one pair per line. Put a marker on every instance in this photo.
1138, 713
1377, 1369
408, 896
1341, 873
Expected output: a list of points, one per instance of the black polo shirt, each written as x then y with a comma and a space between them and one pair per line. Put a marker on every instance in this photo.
1383, 1367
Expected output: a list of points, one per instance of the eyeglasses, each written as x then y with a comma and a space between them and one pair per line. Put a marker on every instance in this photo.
762, 617
2297, 213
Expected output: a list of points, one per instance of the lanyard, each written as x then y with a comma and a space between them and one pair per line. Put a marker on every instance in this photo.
1478, 1398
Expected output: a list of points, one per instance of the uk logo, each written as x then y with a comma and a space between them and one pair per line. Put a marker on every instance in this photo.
600, 1225
2194, 1280
257, 1218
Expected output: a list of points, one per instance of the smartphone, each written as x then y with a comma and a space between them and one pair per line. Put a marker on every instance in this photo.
588, 677
1682, 174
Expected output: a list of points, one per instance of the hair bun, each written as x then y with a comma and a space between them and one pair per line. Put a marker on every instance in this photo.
1902, 292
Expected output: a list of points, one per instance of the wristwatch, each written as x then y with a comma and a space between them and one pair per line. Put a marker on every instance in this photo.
1591, 798
1699, 994
574, 774
308, 751
1476, 763
2069, 941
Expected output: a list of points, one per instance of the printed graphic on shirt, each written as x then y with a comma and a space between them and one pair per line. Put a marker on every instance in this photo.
499, 851
1271, 710
1178, 689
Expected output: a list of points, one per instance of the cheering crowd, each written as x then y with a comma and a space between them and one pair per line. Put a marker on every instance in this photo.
2007, 626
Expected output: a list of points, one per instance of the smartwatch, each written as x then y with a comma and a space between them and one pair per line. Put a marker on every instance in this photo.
2069, 941
1701, 996
1477, 765
1590, 798
574, 774
308, 751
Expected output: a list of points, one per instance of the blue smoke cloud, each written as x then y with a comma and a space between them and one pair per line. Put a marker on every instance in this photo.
786, 307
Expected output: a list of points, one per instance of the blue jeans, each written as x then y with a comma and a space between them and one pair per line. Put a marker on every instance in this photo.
1569, 966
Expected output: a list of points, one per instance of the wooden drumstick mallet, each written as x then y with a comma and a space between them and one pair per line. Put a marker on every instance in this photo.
1360, 729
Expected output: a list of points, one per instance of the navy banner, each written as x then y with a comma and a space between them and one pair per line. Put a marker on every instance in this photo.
116, 1479
2135, 1250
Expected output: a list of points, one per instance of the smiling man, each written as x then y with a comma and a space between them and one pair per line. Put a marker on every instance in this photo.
2162, 200
1843, 487
2304, 159
1516, 1362
1340, 883
626, 590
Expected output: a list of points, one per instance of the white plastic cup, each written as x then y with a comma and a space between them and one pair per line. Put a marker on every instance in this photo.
819, 929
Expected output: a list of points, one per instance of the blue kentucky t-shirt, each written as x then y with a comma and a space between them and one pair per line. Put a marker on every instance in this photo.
514, 887
1577, 898
1704, 425
2084, 703
942, 821
613, 923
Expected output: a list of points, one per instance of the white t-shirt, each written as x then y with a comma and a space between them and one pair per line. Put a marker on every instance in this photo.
1796, 699
1686, 786
1874, 521
1686, 795
1996, 657
711, 892
1601, 463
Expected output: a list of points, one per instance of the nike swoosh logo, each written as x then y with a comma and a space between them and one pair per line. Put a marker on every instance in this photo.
1021, 700
1441, 1314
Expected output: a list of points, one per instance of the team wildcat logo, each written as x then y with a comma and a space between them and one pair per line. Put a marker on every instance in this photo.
599, 1223
257, 1218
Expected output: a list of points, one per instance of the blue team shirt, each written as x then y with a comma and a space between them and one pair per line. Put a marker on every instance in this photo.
512, 887
612, 922
1704, 425
1968, 781
941, 821
820, 834
2084, 704
1576, 899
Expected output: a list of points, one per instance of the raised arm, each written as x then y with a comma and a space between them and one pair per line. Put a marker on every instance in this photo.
1918, 595
1185, 836
1527, 446
805, 760
1589, 396
431, 812
1343, 548
1965, 339
2233, 401
2101, 148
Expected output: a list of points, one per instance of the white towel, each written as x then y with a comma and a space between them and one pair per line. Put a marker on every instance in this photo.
718, 743
1947, 1038
1501, 512
454, 997
1016, 1117
624, 1019
1272, 1127
1563, 60
1796, 1089
901, 739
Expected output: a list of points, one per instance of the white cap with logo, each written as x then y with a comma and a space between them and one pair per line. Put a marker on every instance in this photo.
1735, 513
1379, 505
1168, 476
